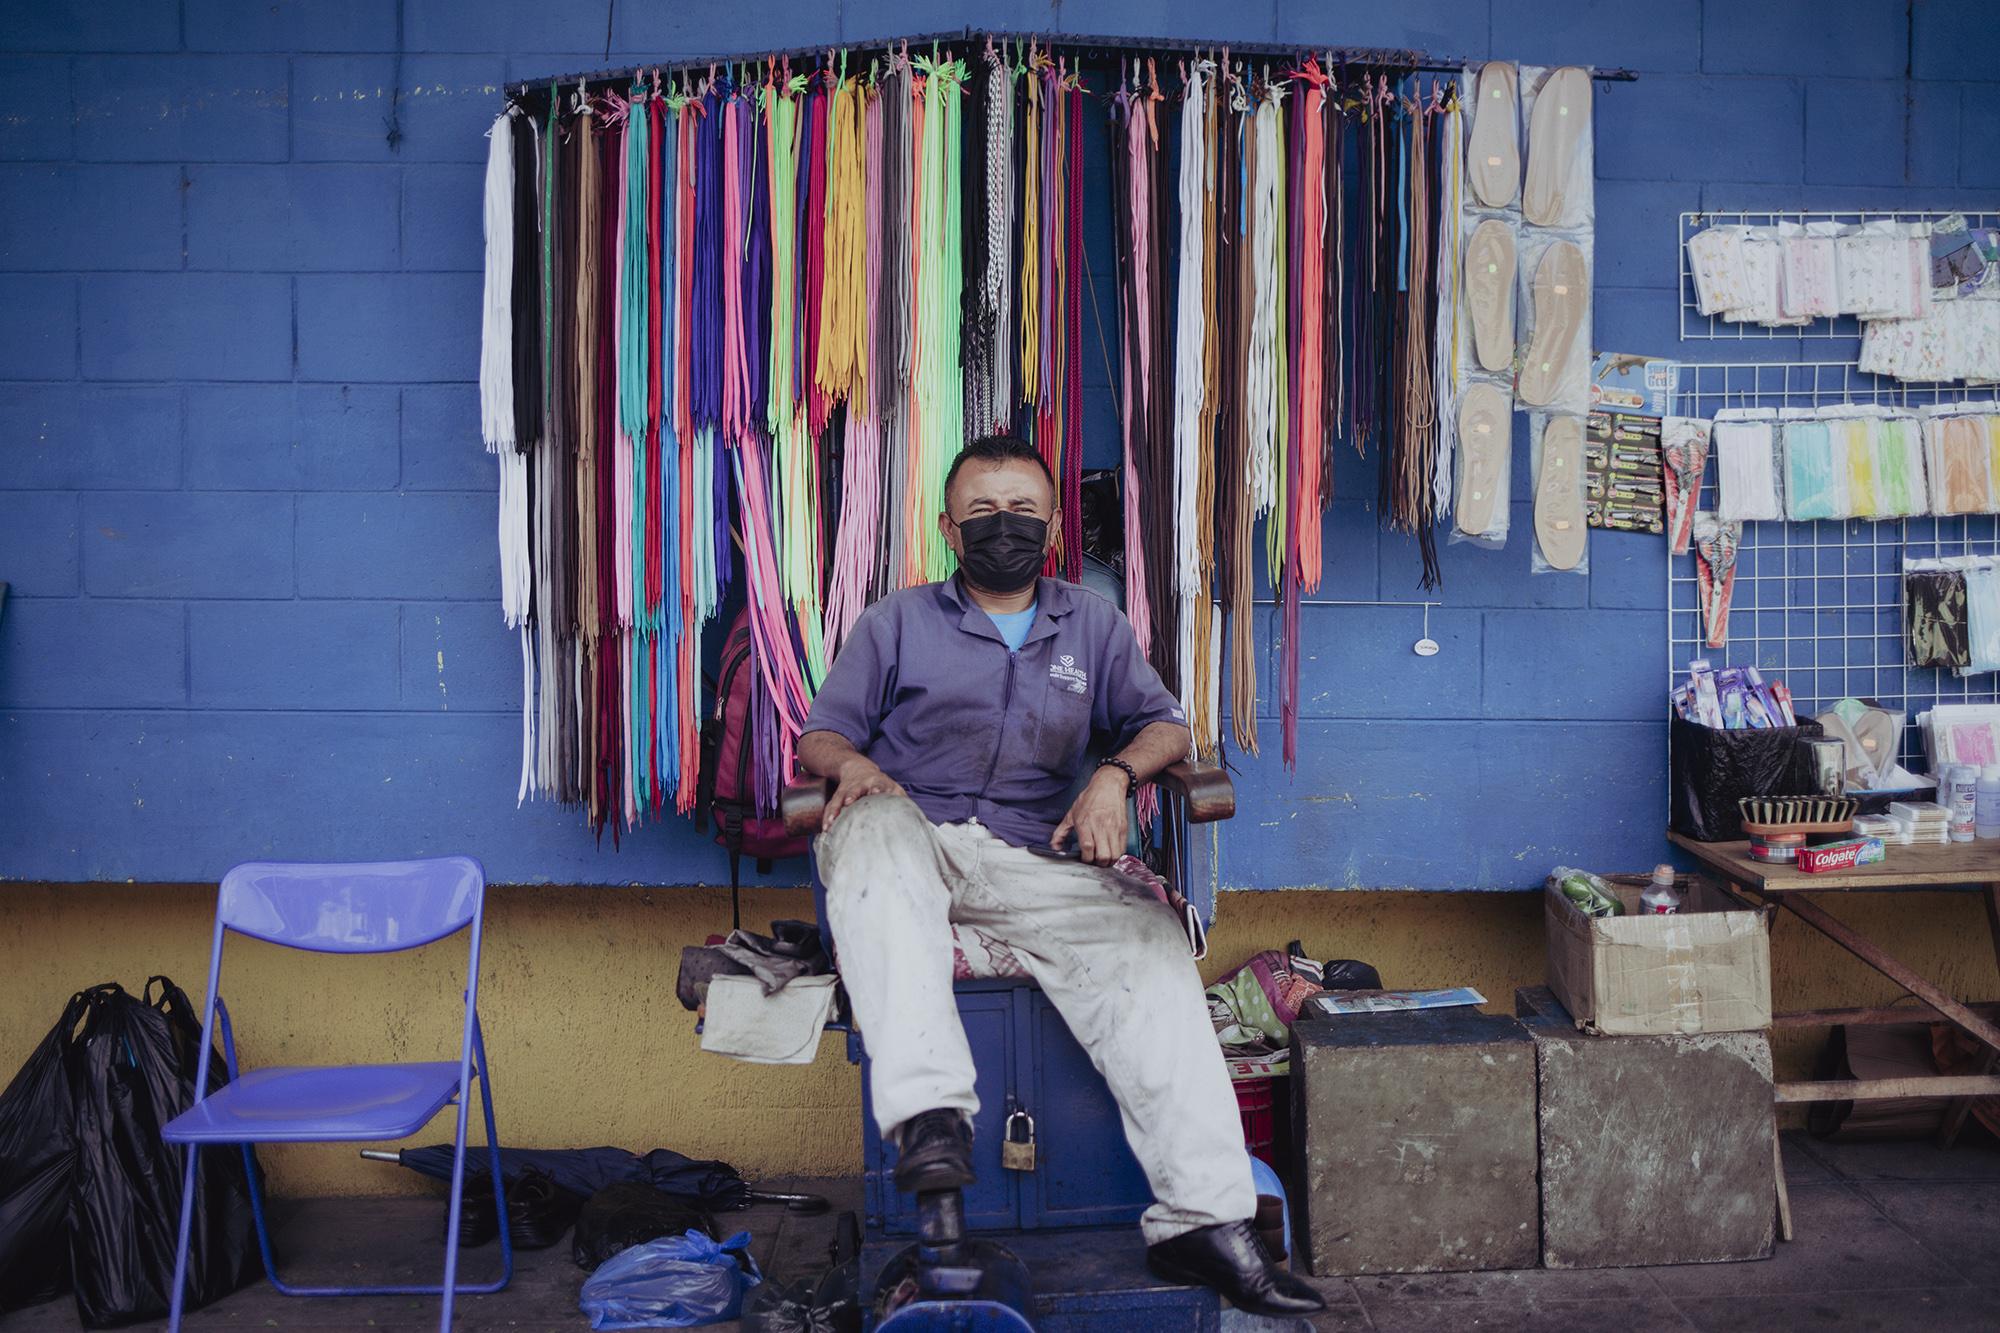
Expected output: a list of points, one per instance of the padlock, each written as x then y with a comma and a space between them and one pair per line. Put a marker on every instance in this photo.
1018, 1154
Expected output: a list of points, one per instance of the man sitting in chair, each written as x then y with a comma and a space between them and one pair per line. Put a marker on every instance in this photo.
954, 723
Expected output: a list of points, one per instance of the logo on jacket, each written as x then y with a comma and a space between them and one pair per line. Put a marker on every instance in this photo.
1065, 672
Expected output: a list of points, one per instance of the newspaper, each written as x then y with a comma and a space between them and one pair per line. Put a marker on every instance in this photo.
1393, 1001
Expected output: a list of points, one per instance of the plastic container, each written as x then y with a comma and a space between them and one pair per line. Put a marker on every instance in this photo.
1986, 804
1960, 793
1660, 897
1258, 1103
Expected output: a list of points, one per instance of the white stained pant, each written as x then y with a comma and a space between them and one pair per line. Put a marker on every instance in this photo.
1108, 954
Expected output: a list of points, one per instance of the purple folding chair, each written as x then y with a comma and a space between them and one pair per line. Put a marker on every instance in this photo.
365, 907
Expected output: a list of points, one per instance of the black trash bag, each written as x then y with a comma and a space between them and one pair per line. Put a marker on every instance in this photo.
1350, 974
132, 1069
1103, 518
37, 1161
1710, 769
630, 1213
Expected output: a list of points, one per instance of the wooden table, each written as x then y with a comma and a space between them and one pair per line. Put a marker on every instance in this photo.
1972, 867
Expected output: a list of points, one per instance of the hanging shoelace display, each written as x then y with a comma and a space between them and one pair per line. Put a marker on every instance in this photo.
737, 322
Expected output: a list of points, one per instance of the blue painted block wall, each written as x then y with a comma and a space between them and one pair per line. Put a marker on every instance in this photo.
249, 527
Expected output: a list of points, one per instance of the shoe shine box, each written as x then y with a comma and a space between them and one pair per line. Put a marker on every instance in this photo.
1705, 968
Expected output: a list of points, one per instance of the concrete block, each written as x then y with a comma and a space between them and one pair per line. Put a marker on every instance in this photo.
442, 450
1978, 164
294, 218
36, 126
1873, 133
187, 544
39, 549
1859, 38
1417, 1136
505, 25
136, 651
459, 657
38, 340
1628, 573
389, 327
1948, 40
1639, 34
179, 796
62, 437
1639, 256
390, 545
1335, 822
80, 25
1356, 662
314, 655
1249, 21
694, 29
187, 326
1654, 1150
1449, 27
441, 218
1547, 664
134, 213
181, 108
292, 25
341, 108
1630, 319
1683, 127
283, 437
861, 20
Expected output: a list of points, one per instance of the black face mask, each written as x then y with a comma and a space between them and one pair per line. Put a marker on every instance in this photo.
1002, 552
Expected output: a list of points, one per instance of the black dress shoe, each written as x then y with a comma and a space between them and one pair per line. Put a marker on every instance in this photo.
539, 1211
478, 1219
934, 1152
1230, 1258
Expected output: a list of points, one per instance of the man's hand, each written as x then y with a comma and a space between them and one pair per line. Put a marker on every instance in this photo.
1098, 819
857, 778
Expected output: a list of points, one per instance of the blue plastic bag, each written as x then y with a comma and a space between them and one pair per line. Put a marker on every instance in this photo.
672, 1282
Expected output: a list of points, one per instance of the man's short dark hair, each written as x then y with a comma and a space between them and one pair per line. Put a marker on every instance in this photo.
996, 449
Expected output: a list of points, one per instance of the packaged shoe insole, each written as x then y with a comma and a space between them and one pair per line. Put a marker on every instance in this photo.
1485, 431
1561, 537
1555, 369
1489, 293
1557, 191
1493, 150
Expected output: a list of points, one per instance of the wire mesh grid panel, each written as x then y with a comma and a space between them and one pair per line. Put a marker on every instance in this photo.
1694, 324
1819, 605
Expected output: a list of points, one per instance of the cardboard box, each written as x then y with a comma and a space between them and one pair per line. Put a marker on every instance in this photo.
1705, 969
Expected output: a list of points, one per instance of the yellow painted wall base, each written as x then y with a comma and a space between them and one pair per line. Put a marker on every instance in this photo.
589, 1045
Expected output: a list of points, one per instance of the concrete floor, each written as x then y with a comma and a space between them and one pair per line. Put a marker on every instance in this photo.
1890, 1237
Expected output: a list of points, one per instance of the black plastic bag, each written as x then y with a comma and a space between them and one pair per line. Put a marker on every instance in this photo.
1710, 769
1103, 518
37, 1162
630, 1213
132, 1069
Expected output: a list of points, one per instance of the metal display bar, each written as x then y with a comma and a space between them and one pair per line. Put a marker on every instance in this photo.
1081, 45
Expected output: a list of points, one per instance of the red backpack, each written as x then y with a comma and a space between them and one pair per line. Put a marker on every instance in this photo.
729, 765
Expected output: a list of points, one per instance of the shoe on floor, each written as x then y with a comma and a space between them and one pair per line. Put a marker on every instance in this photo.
934, 1152
1230, 1258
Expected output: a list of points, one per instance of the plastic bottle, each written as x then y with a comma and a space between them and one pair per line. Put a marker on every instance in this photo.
1960, 794
1660, 898
1986, 806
